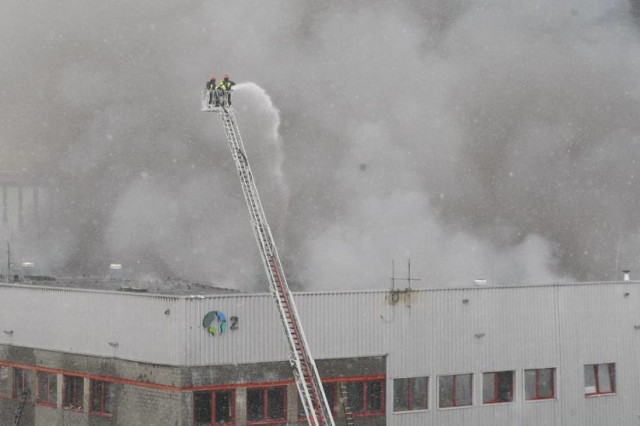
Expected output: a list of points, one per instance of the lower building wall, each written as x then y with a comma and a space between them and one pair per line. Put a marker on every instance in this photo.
147, 394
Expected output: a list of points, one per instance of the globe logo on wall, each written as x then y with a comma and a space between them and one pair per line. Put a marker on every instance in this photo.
216, 323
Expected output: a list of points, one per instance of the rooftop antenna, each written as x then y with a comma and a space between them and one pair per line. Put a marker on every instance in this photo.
8, 261
395, 294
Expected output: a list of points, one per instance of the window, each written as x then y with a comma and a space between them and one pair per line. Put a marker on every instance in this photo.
497, 387
4, 380
455, 391
21, 379
103, 395
539, 384
214, 408
266, 404
410, 394
47, 388
599, 379
330, 393
73, 392
366, 398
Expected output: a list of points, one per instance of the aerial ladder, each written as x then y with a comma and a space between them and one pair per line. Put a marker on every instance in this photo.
305, 372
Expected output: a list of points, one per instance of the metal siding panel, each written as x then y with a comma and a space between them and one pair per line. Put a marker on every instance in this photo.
258, 338
84, 322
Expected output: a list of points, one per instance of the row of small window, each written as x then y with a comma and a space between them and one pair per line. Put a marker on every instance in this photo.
102, 395
268, 404
412, 393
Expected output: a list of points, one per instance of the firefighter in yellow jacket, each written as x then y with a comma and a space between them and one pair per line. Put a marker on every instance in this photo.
225, 85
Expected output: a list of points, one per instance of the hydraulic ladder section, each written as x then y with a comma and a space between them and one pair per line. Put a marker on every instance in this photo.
304, 368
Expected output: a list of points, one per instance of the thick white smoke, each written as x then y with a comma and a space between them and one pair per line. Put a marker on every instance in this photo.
480, 139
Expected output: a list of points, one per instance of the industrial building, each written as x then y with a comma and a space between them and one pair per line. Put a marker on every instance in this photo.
558, 354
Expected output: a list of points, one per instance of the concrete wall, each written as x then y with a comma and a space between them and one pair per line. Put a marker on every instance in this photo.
155, 394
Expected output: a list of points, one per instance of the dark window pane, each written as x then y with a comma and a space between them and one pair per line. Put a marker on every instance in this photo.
21, 382
330, 393
355, 393
4, 379
463, 390
74, 392
505, 386
224, 402
401, 395
53, 388
530, 384
202, 407
589, 379
47, 391
445, 391
546, 383
43, 386
109, 397
374, 396
275, 408
96, 395
604, 378
419, 400
255, 404
488, 387
497, 387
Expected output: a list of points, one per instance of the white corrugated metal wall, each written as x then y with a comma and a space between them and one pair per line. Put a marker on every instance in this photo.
85, 322
499, 329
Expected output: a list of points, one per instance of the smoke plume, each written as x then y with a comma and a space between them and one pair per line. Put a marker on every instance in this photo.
489, 139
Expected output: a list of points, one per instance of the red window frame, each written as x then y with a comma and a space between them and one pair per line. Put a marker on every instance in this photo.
537, 396
21, 383
409, 394
365, 398
495, 399
333, 402
265, 413
454, 391
66, 403
4, 383
611, 367
212, 401
104, 389
46, 400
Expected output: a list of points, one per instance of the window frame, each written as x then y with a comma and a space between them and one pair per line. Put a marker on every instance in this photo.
5, 383
65, 401
48, 401
611, 371
537, 384
496, 388
453, 398
104, 385
333, 402
212, 405
265, 420
409, 395
21, 377
366, 412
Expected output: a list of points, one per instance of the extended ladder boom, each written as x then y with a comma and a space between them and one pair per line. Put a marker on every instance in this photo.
305, 371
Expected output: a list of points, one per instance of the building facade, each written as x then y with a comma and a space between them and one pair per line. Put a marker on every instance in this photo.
547, 355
